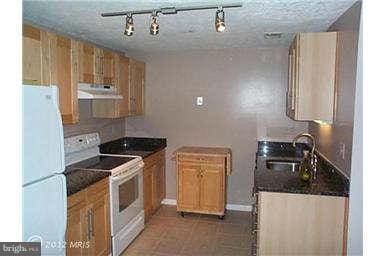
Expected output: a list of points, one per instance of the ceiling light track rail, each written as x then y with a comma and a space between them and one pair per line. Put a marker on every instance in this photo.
171, 10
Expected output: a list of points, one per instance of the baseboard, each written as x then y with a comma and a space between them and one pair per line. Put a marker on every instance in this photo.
169, 201
239, 207
235, 207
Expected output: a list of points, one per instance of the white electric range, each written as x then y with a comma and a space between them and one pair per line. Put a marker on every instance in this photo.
125, 183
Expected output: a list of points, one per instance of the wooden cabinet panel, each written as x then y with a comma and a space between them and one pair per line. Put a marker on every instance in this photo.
108, 67
136, 87
188, 187
66, 69
86, 63
115, 108
162, 179
36, 56
89, 221
49, 59
123, 86
201, 179
212, 188
101, 226
154, 182
317, 224
312, 76
147, 184
76, 233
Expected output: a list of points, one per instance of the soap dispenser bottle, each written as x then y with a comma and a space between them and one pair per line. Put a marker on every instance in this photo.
305, 167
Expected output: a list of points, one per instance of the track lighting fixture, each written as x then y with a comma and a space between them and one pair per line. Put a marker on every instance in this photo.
154, 26
129, 28
219, 20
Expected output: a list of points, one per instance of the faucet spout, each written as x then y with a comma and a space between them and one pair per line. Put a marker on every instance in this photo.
307, 135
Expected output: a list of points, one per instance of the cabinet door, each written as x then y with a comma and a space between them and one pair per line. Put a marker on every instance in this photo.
108, 68
77, 236
67, 67
101, 226
136, 87
162, 178
212, 189
147, 191
86, 63
188, 186
156, 186
123, 85
36, 56
317, 222
98, 63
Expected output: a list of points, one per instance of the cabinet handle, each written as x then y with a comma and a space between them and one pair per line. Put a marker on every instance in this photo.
91, 231
89, 225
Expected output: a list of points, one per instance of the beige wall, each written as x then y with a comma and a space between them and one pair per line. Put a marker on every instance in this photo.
244, 101
331, 137
109, 129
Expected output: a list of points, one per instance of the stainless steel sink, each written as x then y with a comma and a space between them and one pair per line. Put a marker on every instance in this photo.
283, 165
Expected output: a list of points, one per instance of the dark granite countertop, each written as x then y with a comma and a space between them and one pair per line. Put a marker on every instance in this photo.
328, 181
138, 146
79, 179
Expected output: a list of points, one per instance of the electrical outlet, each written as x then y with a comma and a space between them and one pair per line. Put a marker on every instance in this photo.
199, 101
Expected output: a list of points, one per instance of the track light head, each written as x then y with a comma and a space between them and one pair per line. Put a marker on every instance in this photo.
129, 28
219, 20
154, 27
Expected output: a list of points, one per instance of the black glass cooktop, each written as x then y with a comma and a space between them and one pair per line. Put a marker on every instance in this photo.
101, 163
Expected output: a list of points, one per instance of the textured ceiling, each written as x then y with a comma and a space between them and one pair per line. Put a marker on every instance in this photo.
186, 30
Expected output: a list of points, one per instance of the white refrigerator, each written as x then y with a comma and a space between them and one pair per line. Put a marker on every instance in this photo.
44, 192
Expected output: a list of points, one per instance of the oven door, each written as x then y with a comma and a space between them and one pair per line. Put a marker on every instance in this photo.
126, 197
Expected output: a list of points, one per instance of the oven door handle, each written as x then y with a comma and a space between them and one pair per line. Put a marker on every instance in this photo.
129, 174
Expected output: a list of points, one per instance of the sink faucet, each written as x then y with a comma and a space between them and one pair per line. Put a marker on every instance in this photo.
313, 156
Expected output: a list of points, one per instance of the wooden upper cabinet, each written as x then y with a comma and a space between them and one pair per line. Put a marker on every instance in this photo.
118, 72
136, 87
96, 65
67, 72
49, 59
36, 56
108, 67
86, 63
312, 75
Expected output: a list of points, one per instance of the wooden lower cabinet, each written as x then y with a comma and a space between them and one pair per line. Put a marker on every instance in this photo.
297, 224
88, 226
154, 182
201, 179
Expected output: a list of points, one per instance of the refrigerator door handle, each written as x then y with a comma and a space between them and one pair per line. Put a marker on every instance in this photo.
59, 124
64, 194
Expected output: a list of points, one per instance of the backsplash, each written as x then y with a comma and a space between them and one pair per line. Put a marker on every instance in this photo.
286, 149
283, 149
109, 129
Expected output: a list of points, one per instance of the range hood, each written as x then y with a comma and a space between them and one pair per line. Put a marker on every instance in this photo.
97, 91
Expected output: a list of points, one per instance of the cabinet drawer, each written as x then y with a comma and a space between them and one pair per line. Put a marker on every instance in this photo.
201, 159
154, 158
76, 199
97, 190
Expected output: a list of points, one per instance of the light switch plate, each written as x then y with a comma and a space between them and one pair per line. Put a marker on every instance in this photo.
199, 101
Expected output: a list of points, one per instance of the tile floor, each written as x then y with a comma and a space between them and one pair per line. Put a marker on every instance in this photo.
167, 233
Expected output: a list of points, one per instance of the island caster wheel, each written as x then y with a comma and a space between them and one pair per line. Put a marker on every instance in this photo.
182, 214
221, 217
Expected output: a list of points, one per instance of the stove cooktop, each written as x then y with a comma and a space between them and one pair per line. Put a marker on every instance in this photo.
105, 163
